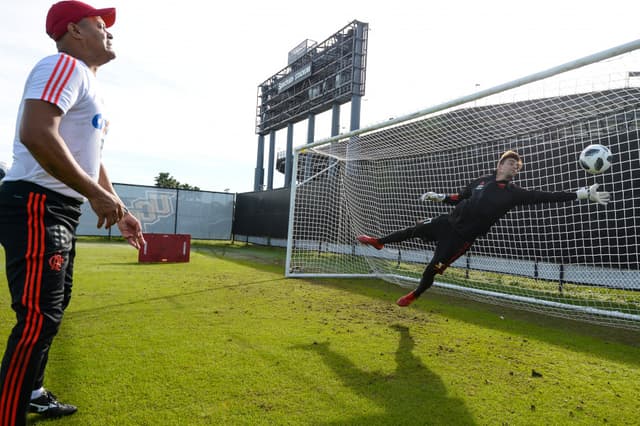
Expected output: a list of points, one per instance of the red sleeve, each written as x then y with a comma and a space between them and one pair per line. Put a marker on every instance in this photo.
465, 192
452, 199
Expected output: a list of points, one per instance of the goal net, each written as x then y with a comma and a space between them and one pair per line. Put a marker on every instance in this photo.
577, 259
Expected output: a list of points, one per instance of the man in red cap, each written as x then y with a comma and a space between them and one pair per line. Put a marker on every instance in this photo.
56, 167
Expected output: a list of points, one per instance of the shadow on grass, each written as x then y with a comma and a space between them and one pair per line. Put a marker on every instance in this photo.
412, 394
546, 328
524, 323
571, 334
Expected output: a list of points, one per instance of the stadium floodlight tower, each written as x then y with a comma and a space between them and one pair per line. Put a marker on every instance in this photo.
318, 77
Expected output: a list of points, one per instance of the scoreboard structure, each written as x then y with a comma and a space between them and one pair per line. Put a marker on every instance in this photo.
318, 77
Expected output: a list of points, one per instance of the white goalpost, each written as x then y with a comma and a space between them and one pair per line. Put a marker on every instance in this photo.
575, 260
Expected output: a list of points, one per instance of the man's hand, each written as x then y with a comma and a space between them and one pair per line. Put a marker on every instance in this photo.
131, 230
591, 193
432, 196
107, 207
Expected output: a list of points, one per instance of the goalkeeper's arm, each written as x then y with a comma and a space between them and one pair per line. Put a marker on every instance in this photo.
452, 199
590, 193
442, 198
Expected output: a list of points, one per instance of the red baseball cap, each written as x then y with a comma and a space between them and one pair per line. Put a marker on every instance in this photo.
63, 13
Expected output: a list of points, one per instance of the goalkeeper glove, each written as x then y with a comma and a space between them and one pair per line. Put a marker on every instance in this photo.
432, 196
591, 193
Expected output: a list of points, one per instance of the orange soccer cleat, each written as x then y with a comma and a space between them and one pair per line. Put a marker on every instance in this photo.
406, 300
370, 241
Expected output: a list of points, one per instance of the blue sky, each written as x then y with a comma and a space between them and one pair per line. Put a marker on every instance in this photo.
182, 91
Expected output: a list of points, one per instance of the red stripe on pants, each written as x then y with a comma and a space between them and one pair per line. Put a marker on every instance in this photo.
441, 267
34, 259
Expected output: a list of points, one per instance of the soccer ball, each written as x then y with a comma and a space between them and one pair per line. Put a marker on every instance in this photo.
3, 169
595, 159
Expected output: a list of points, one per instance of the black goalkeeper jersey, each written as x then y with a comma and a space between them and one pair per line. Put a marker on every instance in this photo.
485, 200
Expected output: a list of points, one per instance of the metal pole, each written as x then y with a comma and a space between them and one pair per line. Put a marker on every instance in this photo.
357, 78
292, 198
335, 119
311, 128
289, 157
258, 179
175, 222
272, 155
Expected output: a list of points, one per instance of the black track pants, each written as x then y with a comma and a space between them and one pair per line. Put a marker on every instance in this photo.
449, 246
37, 231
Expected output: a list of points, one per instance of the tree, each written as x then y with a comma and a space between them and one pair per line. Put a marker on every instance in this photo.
165, 180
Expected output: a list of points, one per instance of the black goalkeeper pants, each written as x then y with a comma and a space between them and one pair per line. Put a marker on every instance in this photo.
37, 231
449, 246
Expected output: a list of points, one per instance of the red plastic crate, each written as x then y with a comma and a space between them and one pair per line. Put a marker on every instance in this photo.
165, 248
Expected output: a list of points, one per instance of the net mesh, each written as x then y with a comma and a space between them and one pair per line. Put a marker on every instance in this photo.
577, 259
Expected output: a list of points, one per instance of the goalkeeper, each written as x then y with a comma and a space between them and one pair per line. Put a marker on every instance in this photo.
478, 206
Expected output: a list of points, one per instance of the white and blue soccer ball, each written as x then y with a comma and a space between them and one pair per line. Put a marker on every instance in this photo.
595, 159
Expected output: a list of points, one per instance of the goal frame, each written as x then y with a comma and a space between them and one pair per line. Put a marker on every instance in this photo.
551, 72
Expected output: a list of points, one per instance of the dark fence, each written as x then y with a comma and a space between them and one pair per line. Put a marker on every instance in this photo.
201, 214
258, 217
262, 214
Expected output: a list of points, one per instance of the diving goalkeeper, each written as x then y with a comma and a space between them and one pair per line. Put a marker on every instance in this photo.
478, 206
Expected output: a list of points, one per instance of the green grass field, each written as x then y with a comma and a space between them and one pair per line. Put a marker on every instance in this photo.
226, 339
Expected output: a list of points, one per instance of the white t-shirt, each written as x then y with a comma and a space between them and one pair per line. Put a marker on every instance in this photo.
70, 85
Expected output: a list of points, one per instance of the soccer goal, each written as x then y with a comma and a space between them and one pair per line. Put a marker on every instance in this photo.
576, 260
